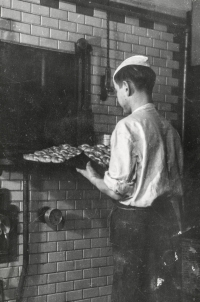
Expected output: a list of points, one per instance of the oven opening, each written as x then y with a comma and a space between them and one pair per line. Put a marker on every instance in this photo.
41, 97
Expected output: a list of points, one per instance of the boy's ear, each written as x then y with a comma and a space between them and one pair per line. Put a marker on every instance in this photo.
129, 87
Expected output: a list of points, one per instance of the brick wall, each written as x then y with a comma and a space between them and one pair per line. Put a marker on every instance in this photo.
75, 263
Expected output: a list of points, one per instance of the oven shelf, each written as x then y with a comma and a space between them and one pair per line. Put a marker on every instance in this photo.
20, 164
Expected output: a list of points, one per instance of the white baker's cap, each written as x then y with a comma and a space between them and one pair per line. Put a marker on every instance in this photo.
134, 60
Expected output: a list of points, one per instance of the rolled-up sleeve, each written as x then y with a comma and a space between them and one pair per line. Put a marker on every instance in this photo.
121, 174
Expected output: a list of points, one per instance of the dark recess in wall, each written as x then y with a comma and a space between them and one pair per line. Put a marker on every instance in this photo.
88, 11
50, 3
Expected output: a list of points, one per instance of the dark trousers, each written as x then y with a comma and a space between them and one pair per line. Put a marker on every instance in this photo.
146, 251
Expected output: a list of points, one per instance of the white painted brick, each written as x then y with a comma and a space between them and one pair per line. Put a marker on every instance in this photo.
74, 37
84, 29
11, 185
150, 51
124, 46
5, 24
112, 25
119, 55
167, 36
127, 55
58, 14
93, 21
166, 54
21, 27
30, 18
151, 60
46, 289
5, 3
131, 39
6, 272
139, 31
153, 33
165, 89
68, 26
159, 44
50, 43
145, 41
158, 97
100, 14
172, 82
115, 35
96, 89
95, 79
117, 63
94, 41
165, 72
10, 14
173, 46
95, 99
125, 28
104, 63
99, 32
138, 49
67, 6
159, 62
161, 80
172, 64
97, 70
40, 10
49, 22
16, 195
40, 31
13, 282
22, 6
58, 34
9, 36
77, 18
112, 44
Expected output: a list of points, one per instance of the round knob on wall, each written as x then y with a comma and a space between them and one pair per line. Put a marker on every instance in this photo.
51, 216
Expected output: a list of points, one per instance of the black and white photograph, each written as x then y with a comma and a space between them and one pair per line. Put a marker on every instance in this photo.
99, 150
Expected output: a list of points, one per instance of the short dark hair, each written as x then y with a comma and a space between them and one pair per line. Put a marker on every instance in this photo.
143, 77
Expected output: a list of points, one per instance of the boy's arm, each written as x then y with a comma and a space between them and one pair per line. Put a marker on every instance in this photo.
98, 181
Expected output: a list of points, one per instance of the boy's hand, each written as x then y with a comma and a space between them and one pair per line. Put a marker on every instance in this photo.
89, 173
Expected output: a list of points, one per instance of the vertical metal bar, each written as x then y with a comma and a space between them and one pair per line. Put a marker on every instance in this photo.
184, 83
184, 98
19, 293
43, 79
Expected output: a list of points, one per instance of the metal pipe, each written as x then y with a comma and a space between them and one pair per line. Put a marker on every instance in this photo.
43, 78
184, 83
20, 289
184, 97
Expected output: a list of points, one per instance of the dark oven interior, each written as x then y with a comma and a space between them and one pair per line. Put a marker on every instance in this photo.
44, 97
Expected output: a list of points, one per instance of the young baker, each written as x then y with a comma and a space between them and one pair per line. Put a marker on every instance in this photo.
144, 180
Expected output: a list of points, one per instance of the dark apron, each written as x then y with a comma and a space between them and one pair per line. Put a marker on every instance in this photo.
147, 255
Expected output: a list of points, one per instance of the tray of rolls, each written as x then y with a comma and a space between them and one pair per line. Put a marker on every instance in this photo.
64, 153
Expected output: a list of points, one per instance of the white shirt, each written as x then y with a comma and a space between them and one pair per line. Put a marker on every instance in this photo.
146, 158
